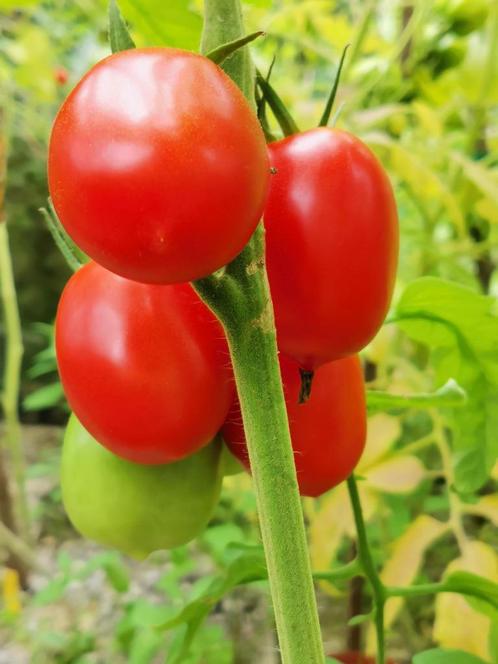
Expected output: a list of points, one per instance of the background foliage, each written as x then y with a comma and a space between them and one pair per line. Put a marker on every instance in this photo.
420, 86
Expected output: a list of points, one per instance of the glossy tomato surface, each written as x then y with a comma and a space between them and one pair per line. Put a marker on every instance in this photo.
145, 367
332, 244
135, 508
328, 431
157, 167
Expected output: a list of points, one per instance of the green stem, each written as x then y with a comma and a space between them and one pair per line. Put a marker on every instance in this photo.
11, 379
418, 590
223, 23
240, 297
369, 568
241, 300
343, 573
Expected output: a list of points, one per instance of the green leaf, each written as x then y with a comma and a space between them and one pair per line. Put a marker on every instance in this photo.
461, 328
282, 115
481, 593
156, 22
245, 568
145, 645
116, 573
45, 397
439, 656
220, 54
324, 120
119, 37
359, 619
449, 395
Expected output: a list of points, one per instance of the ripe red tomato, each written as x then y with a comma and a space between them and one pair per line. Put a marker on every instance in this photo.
157, 167
328, 431
331, 243
145, 367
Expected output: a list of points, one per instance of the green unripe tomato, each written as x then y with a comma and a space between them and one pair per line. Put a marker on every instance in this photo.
132, 507
231, 465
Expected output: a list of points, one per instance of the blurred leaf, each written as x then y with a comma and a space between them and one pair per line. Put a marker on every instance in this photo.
44, 397
50, 593
382, 432
401, 474
116, 573
457, 623
450, 394
426, 182
245, 568
359, 619
159, 23
145, 646
439, 656
404, 561
486, 506
445, 317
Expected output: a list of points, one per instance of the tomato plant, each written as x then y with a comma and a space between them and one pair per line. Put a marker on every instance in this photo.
157, 165
135, 508
144, 366
332, 244
328, 431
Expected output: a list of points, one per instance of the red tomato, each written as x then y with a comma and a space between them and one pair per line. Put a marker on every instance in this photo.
332, 245
157, 167
355, 657
60, 75
328, 431
145, 367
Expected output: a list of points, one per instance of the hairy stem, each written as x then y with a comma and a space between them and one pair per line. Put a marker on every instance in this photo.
241, 300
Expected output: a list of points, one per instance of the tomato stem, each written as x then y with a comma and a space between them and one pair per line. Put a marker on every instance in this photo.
369, 568
240, 297
13, 357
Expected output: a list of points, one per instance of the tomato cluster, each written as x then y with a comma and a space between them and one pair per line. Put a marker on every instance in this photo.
159, 171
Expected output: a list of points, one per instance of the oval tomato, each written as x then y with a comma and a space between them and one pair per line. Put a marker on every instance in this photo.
157, 166
331, 244
328, 431
145, 367
134, 508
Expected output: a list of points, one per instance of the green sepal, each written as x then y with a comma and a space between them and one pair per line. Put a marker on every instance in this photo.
324, 120
119, 35
221, 53
282, 115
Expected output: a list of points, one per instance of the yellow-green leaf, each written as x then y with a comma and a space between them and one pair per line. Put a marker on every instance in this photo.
404, 562
457, 624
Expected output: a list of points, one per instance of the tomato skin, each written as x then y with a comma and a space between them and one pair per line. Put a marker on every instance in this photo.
328, 431
331, 245
145, 367
157, 166
135, 508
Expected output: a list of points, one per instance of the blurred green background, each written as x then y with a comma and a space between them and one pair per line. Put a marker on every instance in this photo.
420, 87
